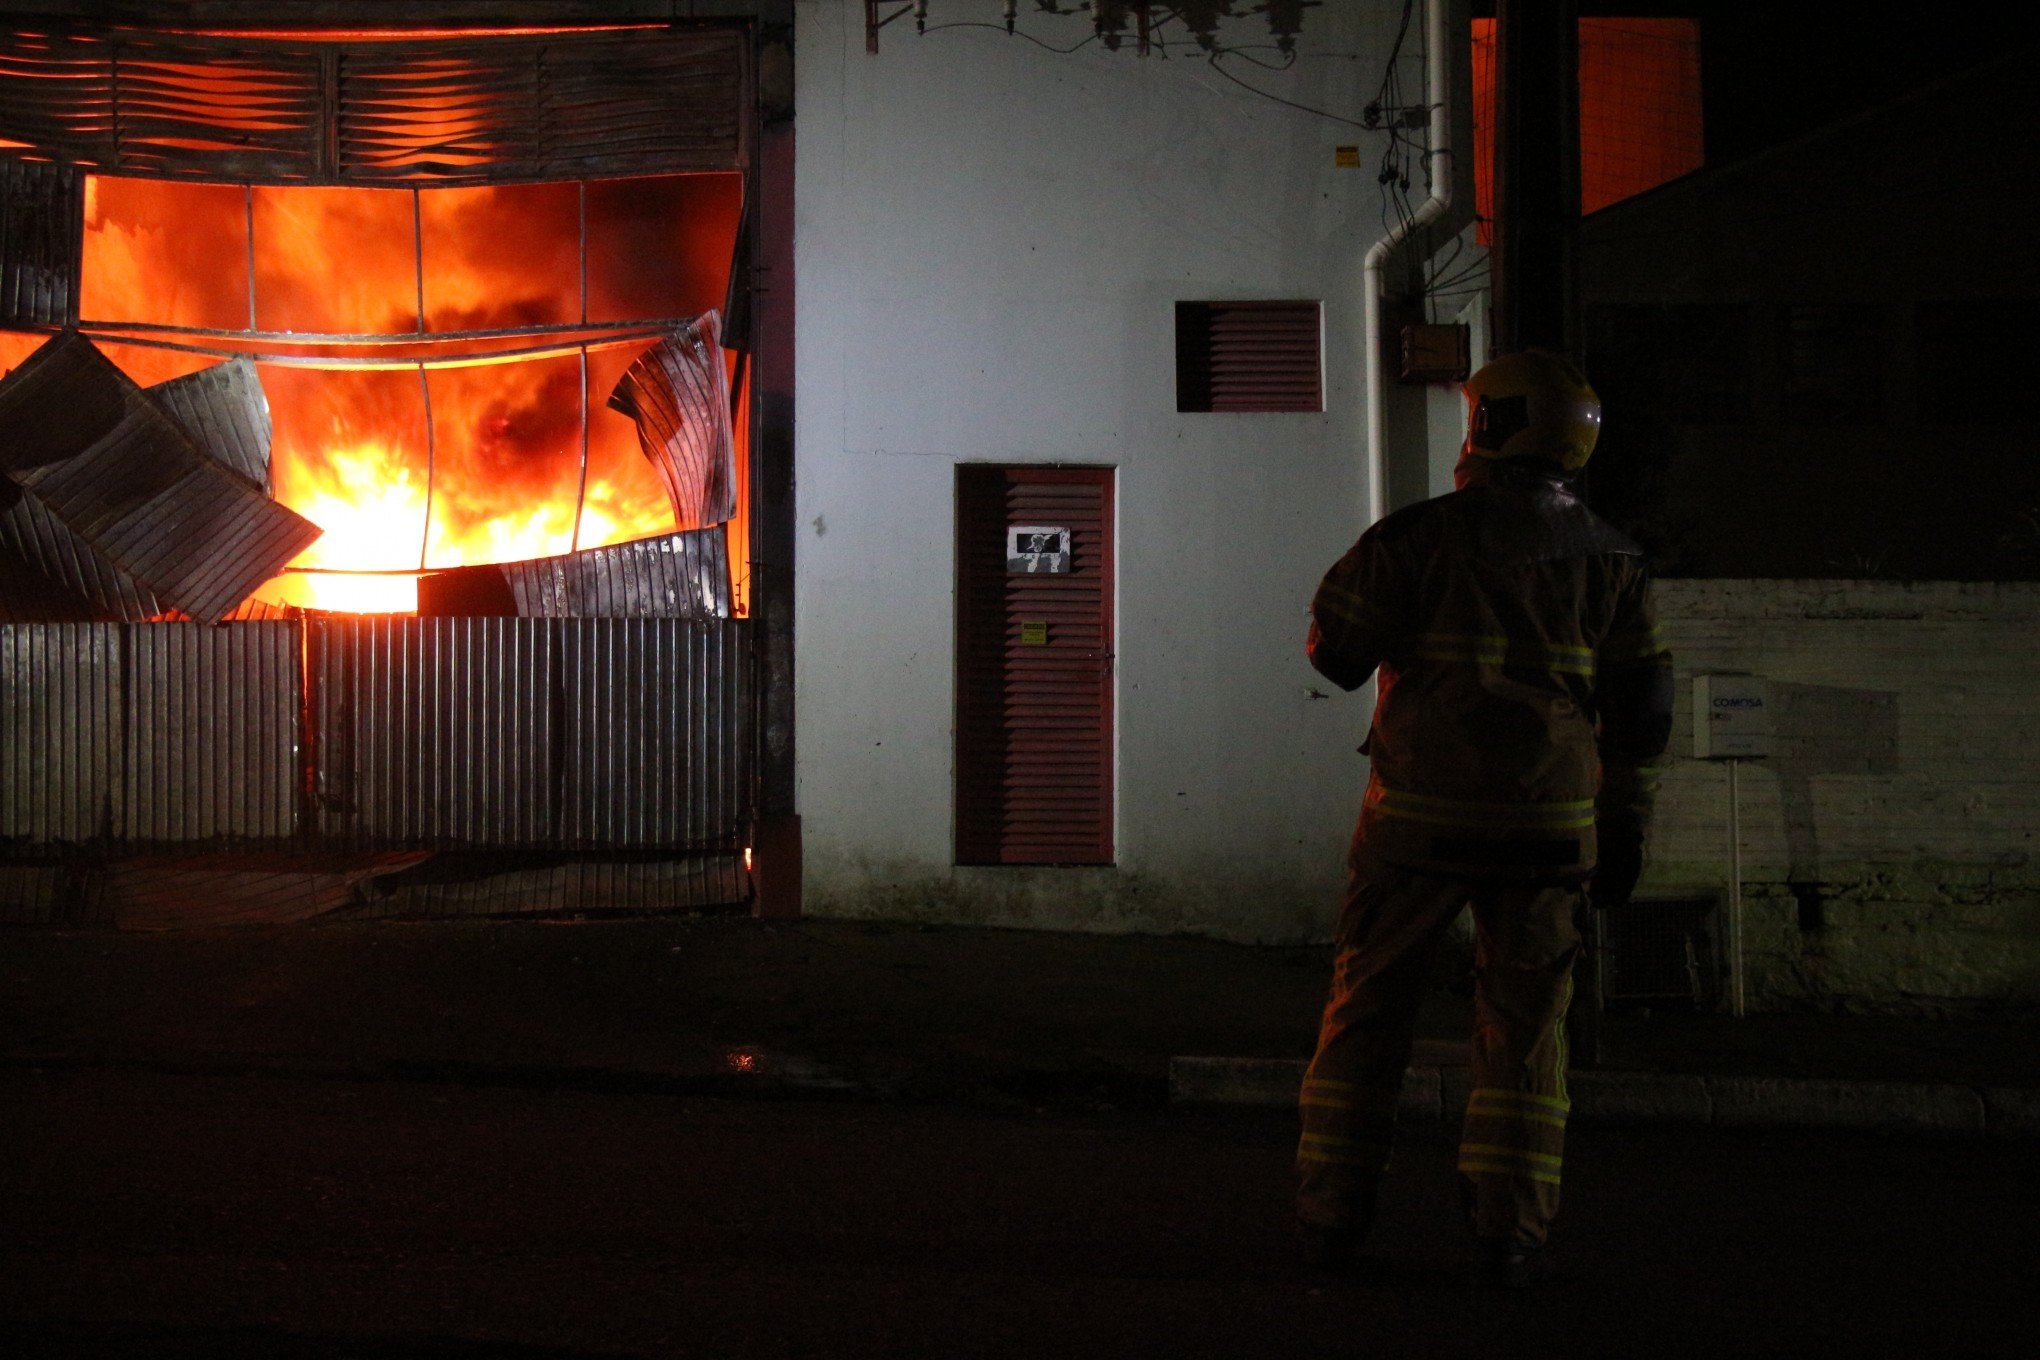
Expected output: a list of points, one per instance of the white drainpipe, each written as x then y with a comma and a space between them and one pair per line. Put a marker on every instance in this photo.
1438, 96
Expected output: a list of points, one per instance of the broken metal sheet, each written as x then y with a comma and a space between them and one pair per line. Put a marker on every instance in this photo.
674, 576
27, 595
455, 885
678, 392
42, 231
74, 581
226, 413
201, 892
101, 457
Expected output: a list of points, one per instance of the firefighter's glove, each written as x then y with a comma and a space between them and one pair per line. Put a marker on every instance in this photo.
1621, 864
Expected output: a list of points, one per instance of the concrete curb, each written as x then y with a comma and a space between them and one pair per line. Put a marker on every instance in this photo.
1604, 1097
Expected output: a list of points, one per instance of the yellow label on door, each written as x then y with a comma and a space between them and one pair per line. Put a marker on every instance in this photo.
1034, 632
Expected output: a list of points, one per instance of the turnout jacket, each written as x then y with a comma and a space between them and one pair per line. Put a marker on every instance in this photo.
1523, 688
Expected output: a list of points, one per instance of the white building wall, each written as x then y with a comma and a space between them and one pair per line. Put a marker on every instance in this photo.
990, 240
1900, 802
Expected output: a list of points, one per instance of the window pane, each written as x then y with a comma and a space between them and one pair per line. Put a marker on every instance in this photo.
166, 254
349, 455
335, 260
660, 247
502, 257
506, 461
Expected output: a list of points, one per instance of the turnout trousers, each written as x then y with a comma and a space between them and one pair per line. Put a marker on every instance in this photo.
1513, 1140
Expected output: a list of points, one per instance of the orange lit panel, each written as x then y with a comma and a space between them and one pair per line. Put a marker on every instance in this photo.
341, 261
481, 276
625, 497
1640, 109
661, 247
1640, 123
506, 461
166, 254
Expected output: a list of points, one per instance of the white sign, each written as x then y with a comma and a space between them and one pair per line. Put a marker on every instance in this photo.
1036, 548
1731, 717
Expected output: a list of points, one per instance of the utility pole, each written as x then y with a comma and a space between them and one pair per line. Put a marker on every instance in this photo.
1537, 176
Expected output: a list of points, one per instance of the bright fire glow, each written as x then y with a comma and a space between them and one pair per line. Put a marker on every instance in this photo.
501, 471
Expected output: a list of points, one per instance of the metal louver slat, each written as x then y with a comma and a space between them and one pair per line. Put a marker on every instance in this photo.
531, 106
1034, 687
1248, 357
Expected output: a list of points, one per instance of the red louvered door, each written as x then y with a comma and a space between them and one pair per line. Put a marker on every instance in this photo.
1034, 666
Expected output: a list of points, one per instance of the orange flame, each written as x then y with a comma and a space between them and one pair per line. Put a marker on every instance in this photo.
497, 475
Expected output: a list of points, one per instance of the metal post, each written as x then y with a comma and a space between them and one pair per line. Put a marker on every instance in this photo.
248, 209
431, 468
1736, 998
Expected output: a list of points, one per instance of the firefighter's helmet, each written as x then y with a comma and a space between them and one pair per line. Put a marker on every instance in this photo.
1532, 404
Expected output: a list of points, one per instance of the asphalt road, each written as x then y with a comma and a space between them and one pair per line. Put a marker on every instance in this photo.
144, 1214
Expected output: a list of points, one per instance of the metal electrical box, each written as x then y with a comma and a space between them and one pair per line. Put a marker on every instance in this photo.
1731, 717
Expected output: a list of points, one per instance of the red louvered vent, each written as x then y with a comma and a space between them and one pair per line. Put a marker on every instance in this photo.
1248, 356
1034, 665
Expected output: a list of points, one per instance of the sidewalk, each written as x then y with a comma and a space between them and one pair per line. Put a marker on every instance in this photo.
729, 1005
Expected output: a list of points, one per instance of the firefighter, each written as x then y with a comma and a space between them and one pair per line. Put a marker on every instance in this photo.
1522, 693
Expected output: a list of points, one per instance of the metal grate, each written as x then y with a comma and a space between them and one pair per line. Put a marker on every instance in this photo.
1034, 671
483, 110
1249, 356
1657, 951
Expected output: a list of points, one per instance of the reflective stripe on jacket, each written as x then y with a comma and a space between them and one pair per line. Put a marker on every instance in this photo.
1523, 688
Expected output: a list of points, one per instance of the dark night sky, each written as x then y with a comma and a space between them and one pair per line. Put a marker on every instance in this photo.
1773, 72
1770, 77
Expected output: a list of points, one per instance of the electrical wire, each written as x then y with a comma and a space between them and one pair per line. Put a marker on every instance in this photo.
1290, 103
1016, 33
1401, 153
1163, 45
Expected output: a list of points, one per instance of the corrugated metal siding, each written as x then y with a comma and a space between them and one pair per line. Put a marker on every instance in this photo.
1034, 719
62, 727
684, 575
156, 733
432, 731
530, 732
212, 732
656, 753
597, 734
42, 231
